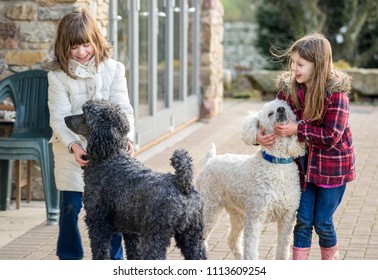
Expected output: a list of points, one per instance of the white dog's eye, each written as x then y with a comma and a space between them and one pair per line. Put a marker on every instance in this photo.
270, 114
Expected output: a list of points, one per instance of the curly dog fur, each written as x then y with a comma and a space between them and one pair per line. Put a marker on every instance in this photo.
122, 195
252, 189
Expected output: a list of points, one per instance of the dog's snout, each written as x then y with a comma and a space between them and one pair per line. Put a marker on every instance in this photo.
67, 120
281, 116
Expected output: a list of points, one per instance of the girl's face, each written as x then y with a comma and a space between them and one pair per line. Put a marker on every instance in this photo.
82, 53
302, 69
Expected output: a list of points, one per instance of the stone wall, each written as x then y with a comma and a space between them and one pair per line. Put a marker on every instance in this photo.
211, 73
27, 28
364, 82
239, 48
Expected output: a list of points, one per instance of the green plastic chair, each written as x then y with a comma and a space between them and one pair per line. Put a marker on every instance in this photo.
30, 136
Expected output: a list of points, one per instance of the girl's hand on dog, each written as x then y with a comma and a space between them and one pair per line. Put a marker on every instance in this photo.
130, 148
288, 129
79, 153
266, 140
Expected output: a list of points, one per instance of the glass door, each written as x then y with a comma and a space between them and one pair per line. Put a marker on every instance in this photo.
162, 71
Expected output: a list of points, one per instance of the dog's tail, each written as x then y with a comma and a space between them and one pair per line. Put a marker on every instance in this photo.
211, 152
183, 165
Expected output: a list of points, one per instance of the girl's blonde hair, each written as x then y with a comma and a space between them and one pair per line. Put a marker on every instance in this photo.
76, 28
315, 48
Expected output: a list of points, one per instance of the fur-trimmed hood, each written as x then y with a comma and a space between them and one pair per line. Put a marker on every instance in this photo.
339, 82
51, 65
78, 69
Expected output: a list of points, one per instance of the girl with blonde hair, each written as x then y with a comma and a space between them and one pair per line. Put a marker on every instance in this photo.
318, 94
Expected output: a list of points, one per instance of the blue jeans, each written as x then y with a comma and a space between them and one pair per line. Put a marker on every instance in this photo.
69, 241
316, 210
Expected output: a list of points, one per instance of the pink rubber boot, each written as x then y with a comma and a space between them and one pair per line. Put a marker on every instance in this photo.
300, 253
331, 253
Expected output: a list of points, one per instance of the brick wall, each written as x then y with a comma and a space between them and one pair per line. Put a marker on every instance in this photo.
27, 28
211, 75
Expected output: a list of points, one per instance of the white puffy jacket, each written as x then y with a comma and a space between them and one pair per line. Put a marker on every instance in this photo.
66, 97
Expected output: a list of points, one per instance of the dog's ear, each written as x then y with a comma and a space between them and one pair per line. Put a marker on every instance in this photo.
105, 142
250, 129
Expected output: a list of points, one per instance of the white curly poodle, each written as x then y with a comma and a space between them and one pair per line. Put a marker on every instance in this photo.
257, 189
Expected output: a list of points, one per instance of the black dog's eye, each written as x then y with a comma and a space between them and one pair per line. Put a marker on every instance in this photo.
270, 114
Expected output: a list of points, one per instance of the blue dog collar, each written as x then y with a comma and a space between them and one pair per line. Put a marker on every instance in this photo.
274, 159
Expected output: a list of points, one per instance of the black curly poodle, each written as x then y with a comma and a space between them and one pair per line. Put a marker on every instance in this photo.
122, 195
